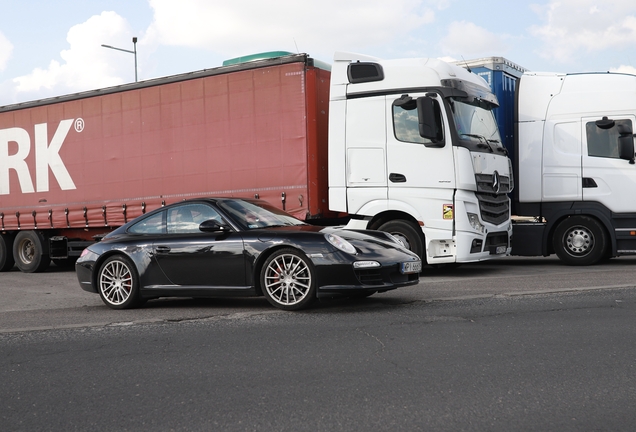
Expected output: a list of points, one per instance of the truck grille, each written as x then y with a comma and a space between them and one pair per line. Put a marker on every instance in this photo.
494, 206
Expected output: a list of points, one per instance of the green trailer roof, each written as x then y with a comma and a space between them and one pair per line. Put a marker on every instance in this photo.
270, 55
258, 56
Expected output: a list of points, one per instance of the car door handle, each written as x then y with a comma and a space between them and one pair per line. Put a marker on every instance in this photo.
162, 249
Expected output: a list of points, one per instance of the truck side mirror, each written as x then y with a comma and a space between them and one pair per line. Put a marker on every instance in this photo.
626, 143
605, 123
430, 120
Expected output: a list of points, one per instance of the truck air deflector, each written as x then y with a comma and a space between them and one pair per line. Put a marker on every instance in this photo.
363, 72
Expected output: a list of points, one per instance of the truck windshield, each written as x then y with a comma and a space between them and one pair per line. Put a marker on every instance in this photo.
474, 122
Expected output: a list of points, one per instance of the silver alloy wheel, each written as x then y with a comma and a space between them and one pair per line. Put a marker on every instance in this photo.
287, 279
579, 240
26, 250
116, 282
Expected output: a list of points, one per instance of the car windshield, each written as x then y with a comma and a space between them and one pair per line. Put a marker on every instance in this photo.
251, 215
475, 122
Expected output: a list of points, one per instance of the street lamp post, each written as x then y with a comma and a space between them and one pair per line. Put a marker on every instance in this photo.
134, 39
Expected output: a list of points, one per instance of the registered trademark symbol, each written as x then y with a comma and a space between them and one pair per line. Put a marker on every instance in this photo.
79, 125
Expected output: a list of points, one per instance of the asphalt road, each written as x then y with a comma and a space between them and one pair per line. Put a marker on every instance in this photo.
54, 300
556, 362
520, 344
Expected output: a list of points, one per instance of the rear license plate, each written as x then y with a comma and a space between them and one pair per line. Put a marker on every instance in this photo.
411, 267
501, 250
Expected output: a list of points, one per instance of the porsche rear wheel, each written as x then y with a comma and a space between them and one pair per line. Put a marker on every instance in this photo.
287, 280
118, 283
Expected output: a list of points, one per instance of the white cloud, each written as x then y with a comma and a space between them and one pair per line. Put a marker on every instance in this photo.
6, 48
315, 27
576, 27
625, 69
468, 40
85, 65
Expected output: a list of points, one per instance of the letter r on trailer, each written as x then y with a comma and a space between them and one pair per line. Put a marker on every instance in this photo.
15, 161
46, 155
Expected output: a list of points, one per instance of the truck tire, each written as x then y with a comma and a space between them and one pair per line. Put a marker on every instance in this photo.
6, 253
580, 240
409, 234
28, 252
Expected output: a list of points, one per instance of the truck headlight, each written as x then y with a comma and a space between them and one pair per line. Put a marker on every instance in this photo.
473, 220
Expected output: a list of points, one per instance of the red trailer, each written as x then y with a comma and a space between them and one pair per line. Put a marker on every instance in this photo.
78, 166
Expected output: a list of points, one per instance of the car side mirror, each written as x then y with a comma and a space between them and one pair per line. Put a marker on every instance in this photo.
626, 143
213, 225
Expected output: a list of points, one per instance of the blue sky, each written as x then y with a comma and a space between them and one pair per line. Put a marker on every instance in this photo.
52, 48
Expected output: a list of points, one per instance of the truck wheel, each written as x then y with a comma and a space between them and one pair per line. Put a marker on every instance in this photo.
288, 281
28, 252
6, 253
580, 240
118, 283
409, 234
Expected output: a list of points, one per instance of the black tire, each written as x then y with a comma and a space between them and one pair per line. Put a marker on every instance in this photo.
288, 280
409, 234
118, 283
580, 240
6, 253
28, 252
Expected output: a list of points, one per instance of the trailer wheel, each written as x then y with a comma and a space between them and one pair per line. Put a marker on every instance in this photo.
28, 252
409, 234
6, 253
580, 240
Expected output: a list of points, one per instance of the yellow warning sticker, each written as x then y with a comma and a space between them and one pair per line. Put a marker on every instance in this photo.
448, 211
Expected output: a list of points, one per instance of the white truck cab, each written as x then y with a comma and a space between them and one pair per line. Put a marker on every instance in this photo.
576, 170
414, 150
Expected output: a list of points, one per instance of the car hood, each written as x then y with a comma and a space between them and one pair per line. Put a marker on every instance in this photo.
366, 241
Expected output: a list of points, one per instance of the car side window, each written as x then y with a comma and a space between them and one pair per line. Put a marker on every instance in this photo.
151, 225
187, 218
603, 142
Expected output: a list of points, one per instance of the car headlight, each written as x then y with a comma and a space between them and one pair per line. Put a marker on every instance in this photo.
340, 243
473, 220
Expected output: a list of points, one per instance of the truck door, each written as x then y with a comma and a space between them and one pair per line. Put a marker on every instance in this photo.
420, 173
607, 179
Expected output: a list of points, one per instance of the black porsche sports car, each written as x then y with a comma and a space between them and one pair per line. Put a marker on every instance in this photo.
221, 247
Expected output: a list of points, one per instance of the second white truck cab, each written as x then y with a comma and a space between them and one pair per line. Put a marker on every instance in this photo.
576, 169
414, 150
